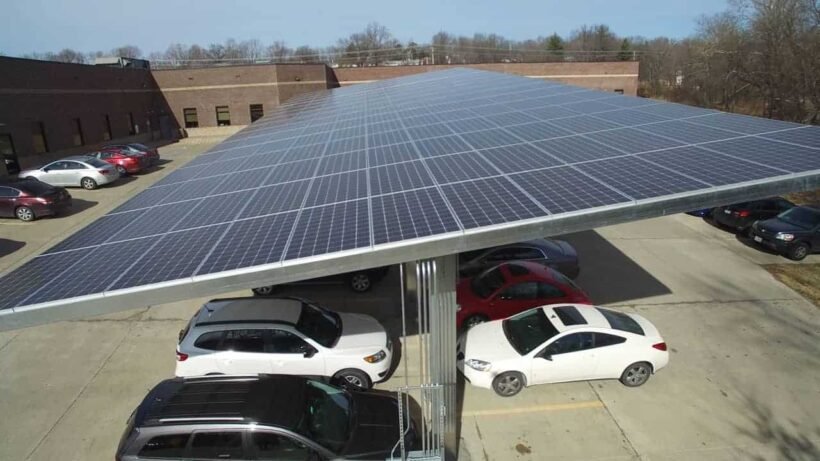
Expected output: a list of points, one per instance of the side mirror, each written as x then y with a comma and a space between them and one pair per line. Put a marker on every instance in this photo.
546, 356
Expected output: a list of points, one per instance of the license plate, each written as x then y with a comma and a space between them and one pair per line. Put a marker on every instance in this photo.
727, 211
758, 239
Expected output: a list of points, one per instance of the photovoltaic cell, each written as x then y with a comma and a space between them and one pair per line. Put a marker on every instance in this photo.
711, 167
409, 215
215, 210
576, 149
519, 157
398, 177
387, 137
557, 190
154, 221
292, 171
342, 162
489, 201
687, 133
275, 199
583, 124
489, 138
537, 131
741, 123
763, 151
337, 188
233, 182
460, 167
384, 155
632, 141
629, 117
97, 232
441, 146
808, 136
21, 283
638, 179
327, 229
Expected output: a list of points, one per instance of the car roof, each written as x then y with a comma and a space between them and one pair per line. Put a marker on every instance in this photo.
27, 185
238, 310
536, 270
77, 158
276, 400
587, 313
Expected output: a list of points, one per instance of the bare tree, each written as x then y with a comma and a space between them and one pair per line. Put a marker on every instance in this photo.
127, 51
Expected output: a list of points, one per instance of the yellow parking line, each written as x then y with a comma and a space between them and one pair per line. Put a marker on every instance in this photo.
536, 409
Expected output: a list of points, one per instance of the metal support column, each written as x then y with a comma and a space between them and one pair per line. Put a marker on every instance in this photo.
434, 281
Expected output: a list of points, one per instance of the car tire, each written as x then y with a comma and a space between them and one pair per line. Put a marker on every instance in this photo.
88, 184
25, 214
266, 290
360, 282
798, 251
636, 374
509, 383
121, 170
473, 320
353, 379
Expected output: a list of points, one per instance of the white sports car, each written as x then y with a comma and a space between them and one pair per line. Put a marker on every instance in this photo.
559, 343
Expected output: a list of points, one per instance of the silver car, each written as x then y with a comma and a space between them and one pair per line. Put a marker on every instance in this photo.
78, 171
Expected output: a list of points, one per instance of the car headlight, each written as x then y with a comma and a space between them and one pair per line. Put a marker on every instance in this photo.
479, 365
375, 358
784, 237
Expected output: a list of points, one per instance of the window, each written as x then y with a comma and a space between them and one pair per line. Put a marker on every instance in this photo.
527, 253
528, 330
525, 290
621, 321
320, 325
8, 192
517, 269
95, 163
132, 127
223, 116
570, 343
217, 445
8, 155
56, 166
210, 340
283, 342
603, 340
570, 315
257, 112
106, 128
487, 283
191, 119
78, 132
619, 91
278, 447
6, 146
77, 165
165, 446
244, 341
547, 291
38, 135
500, 255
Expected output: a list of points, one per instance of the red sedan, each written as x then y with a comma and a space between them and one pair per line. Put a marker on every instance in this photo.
29, 199
510, 288
125, 163
140, 150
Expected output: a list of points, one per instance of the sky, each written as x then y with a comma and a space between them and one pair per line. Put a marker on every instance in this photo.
90, 25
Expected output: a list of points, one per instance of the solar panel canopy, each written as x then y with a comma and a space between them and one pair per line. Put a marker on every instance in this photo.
403, 169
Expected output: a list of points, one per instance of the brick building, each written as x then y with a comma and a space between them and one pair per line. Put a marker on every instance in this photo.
49, 109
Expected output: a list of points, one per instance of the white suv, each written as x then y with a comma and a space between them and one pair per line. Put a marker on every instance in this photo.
284, 336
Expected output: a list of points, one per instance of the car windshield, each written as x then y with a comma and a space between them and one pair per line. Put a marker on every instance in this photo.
801, 217
528, 330
488, 283
319, 324
327, 415
96, 163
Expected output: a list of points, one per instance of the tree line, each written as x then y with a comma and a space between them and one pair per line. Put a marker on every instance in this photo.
758, 56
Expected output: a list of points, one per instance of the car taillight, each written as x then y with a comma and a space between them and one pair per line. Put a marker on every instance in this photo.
658, 346
42, 200
742, 213
183, 357
102, 171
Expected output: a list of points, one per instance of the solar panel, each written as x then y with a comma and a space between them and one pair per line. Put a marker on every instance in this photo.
402, 169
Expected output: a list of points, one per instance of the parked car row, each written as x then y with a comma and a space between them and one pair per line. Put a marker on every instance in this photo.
774, 223
38, 192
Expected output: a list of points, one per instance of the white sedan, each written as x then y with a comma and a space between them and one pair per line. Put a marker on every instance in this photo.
78, 171
559, 343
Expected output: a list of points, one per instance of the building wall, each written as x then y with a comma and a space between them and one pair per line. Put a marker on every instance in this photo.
608, 76
55, 94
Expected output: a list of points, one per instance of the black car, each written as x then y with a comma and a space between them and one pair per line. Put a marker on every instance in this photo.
261, 417
740, 216
794, 234
359, 281
556, 254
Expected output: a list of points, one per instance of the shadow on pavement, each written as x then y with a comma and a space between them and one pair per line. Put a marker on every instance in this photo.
121, 182
608, 275
8, 247
793, 443
78, 205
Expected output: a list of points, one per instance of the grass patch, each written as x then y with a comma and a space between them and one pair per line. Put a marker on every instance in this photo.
802, 278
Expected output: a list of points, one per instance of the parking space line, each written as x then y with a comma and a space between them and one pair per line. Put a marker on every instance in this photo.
536, 409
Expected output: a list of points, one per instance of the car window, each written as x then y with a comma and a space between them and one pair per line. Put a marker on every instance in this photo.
96, 163
210, 340
56, 166
527, 253
569, 315
547, 291
327, 419
244, 341
165, 446
217, 445
801, 217
499, 255
78, 165
620, 321
319, 324
269, 446
524, 290
528, 330
8, 192
487, 283
570, 343
603, 340
285, 342
784, 205
468, 256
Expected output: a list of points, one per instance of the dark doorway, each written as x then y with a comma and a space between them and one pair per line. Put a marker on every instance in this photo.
9, 155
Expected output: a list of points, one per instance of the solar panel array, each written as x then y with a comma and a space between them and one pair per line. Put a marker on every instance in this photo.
399, 160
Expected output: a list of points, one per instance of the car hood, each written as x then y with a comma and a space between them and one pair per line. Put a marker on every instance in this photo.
30, 171
487, 341
361, 332
376, 426
775, 225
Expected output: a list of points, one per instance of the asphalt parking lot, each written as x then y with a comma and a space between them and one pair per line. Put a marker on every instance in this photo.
743, 380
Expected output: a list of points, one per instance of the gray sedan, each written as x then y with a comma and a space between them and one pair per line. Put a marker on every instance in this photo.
78, 171
556, 254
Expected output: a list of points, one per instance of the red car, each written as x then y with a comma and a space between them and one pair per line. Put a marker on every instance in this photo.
29, 199
510, 288
141, 150
125, 163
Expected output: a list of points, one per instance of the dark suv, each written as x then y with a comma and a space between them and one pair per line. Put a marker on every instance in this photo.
795, 233
740, 216
265, 417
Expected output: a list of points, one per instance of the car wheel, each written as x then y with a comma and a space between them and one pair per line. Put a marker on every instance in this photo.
508, 384
88, 184
798, 251
473, 320
636, 374
353, 379
360, 282
264, 291
24, 213
121, 170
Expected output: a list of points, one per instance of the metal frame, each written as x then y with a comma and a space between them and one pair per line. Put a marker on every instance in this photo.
397, 252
